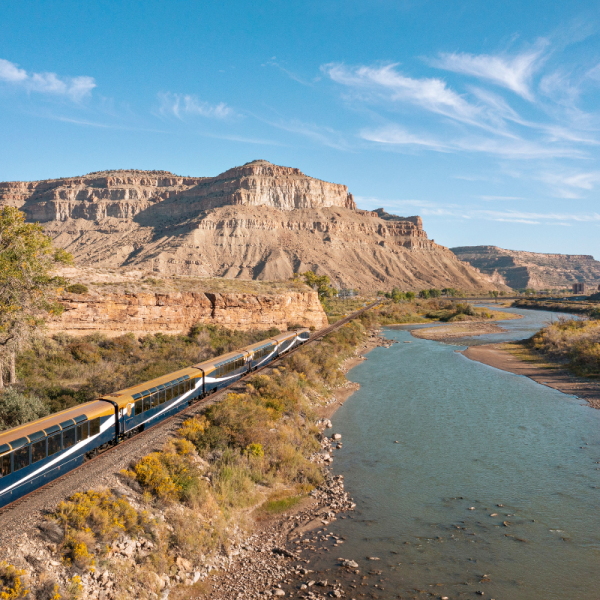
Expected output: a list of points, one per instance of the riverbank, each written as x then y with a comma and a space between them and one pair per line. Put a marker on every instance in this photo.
517, 359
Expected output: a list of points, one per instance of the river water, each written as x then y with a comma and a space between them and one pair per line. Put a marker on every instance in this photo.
492, 491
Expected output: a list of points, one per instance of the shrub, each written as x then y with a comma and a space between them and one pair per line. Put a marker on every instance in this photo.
255, 450
99, 514
77, 288
12, 582
17, 408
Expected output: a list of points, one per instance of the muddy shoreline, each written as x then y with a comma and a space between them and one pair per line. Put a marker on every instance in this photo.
551, 375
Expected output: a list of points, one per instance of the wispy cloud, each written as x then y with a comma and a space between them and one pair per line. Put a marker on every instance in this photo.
75, 88
182, 105
512, 72
394, 135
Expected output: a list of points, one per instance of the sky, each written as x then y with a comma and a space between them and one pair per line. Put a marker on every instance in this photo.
482, 117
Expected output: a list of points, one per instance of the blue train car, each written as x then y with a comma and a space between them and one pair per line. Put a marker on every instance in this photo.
224, 370
290, 339
148, 403
32, 455
261, 353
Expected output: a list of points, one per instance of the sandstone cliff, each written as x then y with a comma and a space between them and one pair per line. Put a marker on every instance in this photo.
143, 313
533, 270
258, 221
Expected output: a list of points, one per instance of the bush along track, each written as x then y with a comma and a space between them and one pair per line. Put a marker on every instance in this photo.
212, 495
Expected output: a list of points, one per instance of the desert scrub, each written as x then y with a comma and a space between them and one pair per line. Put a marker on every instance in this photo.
12, 582
172, 474
574, 342
91, 521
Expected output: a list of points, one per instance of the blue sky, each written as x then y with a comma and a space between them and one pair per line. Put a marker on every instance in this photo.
482, 117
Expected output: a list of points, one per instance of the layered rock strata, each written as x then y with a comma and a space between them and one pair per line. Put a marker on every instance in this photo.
521, 270
258, 221
142, 313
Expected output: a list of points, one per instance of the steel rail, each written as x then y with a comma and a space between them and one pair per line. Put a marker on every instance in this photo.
193, 406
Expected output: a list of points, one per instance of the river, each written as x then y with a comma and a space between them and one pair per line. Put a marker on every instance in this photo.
491, 491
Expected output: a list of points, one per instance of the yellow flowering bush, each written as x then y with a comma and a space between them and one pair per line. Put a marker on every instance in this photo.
12, 584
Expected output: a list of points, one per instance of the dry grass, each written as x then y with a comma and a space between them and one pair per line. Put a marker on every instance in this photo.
130, 281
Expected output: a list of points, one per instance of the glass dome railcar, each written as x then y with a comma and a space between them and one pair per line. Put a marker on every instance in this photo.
31, 455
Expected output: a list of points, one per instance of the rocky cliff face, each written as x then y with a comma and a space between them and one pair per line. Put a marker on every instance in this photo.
258, 221
142, 313
534, 270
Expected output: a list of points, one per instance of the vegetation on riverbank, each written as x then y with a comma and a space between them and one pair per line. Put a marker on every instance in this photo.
194, 497
591, 309
573, 343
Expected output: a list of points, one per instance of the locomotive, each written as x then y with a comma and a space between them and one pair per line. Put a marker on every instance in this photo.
31, 455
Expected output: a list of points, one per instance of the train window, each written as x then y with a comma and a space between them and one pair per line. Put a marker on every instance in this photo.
139, 407
5, 465
38, 451
147, 403
68, 438
162, 396
95, 426
54, 444
154, 399
21, 458
168, 394
82, 431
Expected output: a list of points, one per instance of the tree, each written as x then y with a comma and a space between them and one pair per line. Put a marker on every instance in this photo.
28, 289
321, 284
397, 295
410, 296
424, 294
433, 293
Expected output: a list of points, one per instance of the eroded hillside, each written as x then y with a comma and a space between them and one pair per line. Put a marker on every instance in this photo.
259, 221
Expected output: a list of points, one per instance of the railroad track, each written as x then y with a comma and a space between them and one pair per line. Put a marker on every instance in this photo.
128, 446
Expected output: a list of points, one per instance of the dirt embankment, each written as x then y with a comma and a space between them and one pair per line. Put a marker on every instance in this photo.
514, 358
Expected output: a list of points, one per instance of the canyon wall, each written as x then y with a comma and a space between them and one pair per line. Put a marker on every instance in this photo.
534, 270
143, 313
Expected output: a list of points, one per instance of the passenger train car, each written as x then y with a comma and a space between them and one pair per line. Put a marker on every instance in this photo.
31, 455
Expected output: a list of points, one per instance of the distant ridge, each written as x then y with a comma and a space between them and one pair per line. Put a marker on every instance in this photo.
534, 270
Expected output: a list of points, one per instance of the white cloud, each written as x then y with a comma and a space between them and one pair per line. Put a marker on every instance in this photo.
181, 105
570, 185
393, 135
512, 72
10, 72
429, 93
75, 88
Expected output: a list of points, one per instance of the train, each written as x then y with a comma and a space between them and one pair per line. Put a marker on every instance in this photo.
36, 453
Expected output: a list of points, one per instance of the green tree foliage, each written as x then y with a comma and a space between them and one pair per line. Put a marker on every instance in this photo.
410, 296
17, 408
321, 284
27, 286
424, 294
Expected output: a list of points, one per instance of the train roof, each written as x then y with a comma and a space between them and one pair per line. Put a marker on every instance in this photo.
126, 396
258, 345
282, 337
52, 423
210, 365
